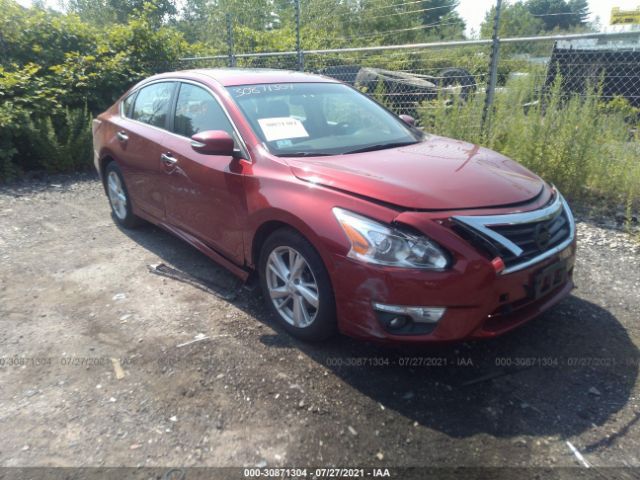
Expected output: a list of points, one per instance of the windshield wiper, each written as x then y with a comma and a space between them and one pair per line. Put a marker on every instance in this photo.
381, 146
303, 154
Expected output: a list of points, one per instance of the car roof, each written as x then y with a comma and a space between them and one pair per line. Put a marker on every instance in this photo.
229, 77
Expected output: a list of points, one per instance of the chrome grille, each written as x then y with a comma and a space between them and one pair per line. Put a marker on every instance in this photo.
521, 239
533, 238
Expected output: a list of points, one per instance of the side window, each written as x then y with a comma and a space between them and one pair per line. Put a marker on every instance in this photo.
127, 103
153, 104
197, 111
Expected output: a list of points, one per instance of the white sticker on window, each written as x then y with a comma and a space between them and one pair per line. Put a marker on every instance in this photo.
278, 128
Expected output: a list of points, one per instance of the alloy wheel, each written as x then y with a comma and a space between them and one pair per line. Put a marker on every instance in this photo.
117, 197
292, 286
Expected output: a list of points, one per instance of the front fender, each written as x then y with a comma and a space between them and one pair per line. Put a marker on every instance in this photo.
307, 208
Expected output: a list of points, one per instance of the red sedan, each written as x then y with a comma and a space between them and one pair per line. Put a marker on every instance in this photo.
353, 219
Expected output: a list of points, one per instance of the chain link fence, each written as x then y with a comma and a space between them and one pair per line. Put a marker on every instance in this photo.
412, 78
611, 65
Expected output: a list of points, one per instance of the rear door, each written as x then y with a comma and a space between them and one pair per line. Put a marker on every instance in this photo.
141, 134
205, 193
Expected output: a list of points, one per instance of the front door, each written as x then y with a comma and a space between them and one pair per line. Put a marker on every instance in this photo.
205, 193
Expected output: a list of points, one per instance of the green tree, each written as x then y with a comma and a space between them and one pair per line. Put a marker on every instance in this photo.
40, 36
205, 21
195, 20
560, 14
580, 9
434, 11
515, 21
451, 27
101, 12
441, 19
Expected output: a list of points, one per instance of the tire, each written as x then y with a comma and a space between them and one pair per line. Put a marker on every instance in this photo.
342, 73
450, 77
314, 323
119, 198
403, 91
394, 82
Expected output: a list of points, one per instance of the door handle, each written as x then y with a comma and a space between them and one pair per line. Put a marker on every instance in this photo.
168, 160
123, 137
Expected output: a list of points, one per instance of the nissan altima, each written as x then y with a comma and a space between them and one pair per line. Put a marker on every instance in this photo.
352, 218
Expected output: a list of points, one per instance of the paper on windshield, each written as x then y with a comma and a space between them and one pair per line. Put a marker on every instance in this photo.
278, 128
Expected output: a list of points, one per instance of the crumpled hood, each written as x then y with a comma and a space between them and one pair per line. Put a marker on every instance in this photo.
436, 174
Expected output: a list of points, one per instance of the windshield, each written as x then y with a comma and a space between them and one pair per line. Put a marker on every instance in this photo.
313, 119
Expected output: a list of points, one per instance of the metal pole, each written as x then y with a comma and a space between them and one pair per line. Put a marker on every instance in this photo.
298, 47
232, 57
493, 70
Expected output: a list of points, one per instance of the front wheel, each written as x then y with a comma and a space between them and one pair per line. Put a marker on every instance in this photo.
296, 286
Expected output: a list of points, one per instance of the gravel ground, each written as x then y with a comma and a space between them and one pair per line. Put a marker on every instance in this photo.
95, 371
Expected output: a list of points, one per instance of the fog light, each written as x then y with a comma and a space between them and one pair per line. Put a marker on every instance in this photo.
397, 322
417, 314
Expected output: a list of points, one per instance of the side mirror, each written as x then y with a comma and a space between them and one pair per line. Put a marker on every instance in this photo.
408, 119
213, 142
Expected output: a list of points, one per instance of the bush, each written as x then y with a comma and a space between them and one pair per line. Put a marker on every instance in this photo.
11, 121
56, 71
59, 144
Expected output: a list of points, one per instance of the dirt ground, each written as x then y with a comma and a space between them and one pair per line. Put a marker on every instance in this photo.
76, 292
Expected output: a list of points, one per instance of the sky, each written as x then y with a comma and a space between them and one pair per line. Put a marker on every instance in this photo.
473, 11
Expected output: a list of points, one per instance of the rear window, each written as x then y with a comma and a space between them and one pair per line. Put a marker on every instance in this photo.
127, 104
152, 104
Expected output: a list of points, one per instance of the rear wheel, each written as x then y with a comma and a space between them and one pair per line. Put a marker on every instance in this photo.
402, 91
296, 286
119, 197
458, 80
